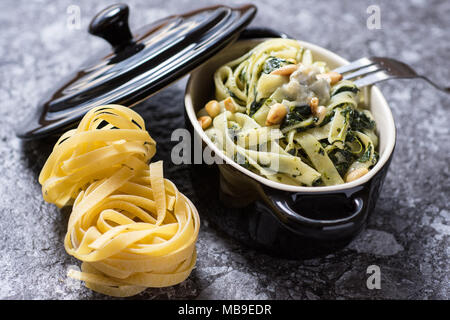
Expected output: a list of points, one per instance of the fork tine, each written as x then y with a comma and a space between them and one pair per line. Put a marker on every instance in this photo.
362, 72
375, 69
372, 78
355, 65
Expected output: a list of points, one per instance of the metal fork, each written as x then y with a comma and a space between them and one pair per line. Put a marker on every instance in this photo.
375, 69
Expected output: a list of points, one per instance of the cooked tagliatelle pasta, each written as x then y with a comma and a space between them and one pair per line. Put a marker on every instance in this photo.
131, 227
288, 118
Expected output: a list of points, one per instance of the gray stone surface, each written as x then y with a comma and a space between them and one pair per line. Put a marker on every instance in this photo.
407, 236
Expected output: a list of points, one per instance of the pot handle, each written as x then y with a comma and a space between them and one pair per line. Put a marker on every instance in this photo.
260, 32
291, 209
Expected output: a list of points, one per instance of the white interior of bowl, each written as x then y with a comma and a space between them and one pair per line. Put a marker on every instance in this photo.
200, 89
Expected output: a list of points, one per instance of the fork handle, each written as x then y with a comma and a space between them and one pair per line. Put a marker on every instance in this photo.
382, 76
444, 89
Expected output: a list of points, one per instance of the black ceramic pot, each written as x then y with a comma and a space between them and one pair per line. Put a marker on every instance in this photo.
288, 221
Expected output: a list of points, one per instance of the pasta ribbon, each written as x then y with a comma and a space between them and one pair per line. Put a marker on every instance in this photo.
131, 227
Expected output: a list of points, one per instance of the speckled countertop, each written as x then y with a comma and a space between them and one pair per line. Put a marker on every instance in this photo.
407, 236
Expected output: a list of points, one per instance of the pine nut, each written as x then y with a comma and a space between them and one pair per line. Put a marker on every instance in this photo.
286, 70
276, 114
205, 121
321, 112
313, 104
213, 108
332, 77
356, 174
229, 104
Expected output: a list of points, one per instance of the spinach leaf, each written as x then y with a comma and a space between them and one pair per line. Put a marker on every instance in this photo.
304, 128
346, 87
317, 182
304, 111
242, 76
273, 63
360, 121
297, 114
255, 106
366, 155
342, 159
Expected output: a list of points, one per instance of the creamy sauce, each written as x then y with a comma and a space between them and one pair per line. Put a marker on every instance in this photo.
303, 85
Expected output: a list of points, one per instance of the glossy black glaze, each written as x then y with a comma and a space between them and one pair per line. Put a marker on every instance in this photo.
111, 24
319, 223
260, 32
138, 67
296, 225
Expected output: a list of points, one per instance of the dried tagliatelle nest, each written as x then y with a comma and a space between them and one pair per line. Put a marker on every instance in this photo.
131, 227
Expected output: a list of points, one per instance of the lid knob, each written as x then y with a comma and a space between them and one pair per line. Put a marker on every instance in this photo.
111, 24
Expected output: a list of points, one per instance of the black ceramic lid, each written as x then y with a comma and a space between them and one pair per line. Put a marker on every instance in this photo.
138, 64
